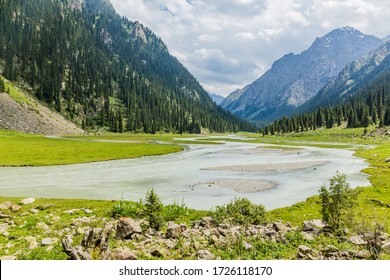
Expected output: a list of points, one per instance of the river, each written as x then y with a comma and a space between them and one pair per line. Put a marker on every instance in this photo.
190, 176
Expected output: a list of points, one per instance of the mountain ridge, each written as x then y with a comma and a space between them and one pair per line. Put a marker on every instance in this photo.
295, 78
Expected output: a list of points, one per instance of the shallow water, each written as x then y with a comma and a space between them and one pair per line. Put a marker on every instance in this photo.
181, 176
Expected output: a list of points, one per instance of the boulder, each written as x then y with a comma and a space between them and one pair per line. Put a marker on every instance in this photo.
158, 252
4, 216
75, 253
313, 225
126, 227
6, 205
307, 236
387, 160
280, 227
47, 241
304, 251
357, 240
3, 227
207, 222
205, 255
42, 226
124, 254
173, 230
15, 208
29, 200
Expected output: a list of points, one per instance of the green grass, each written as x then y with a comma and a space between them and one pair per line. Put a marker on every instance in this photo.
15, 93
18, 149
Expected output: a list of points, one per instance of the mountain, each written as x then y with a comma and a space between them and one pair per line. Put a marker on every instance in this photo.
353, 77
295, 78
216, 98
97, 69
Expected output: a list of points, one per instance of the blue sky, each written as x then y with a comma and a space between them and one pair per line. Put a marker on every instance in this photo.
228, 44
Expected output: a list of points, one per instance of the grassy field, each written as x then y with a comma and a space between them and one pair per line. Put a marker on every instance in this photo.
17, 149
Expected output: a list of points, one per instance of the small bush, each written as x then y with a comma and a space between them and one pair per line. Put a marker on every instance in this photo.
175, 212
337, 201
127, 209
240, 211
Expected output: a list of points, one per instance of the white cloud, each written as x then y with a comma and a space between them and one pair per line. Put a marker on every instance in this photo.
228, 44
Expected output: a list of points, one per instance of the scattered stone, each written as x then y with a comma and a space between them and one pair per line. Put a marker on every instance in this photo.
124, 254
280, 227
173, 230
3, 227
386, 248
4, 216
158, 252
6, 205
307, 236
207, 222
47, 241
71, 211
126, 227
7, 258
304, 251
34, 211
357, 240
75, 253
42, 226
313, 225
15, 208
29, 200
5, 233
247, 246
387, 160
87, 211
363, 254
45, 206
205, 255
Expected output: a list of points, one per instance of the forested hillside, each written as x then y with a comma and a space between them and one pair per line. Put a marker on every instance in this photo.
101, 70
368, 105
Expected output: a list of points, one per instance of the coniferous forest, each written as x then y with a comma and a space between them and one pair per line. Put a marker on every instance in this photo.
369, 105
101, 70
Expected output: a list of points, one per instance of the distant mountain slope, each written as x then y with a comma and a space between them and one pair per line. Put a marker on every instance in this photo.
294, 79
218, 99
354, 76
101, 70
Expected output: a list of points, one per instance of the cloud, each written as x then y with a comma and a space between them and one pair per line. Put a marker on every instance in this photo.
228, 44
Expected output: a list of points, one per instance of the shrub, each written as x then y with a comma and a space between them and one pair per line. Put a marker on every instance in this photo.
337, 201
127, 209
240, 211
153, 210
175, 212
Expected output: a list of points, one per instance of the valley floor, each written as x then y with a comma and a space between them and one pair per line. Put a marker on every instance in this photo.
38, 229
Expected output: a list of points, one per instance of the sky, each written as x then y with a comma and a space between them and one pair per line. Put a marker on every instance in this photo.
227, 44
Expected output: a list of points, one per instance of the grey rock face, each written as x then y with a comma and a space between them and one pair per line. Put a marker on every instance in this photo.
295, 78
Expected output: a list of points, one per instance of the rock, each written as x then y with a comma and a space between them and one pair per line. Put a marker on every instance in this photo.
173, 230
247, 246
158, 252
47, 241
305, 252
7, 258
126, 227
71, 211
124, 254
280, 227
386, 248
30, 239
205, 255
313, 225
214, 239
357, 240
197, 245
34, 211
4, 216
15, 208
387, 160
29, 200
363, 254
5, 233
6, 205
207, 222
45, 206
223, 231
307, 236
75, 253
87, 211
42, 226
3, 227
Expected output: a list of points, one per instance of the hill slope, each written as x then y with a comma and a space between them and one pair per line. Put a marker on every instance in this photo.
101, 70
